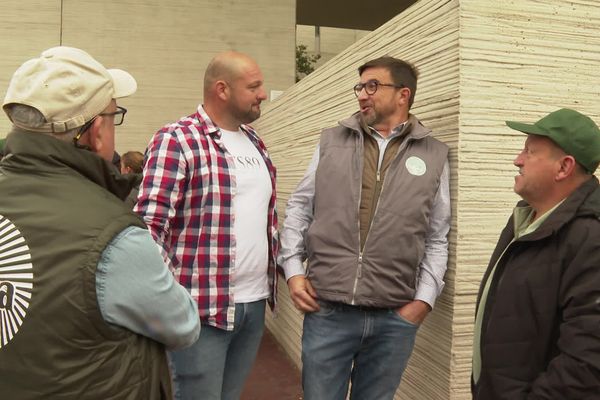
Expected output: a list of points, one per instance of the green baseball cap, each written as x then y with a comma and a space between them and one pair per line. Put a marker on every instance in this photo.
572, 131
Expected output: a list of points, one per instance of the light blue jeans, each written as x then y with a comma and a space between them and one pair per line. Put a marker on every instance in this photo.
216, 366
342, 343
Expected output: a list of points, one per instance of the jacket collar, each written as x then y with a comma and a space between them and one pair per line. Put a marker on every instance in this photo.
583, 202
37, 153
591, 204
413, 128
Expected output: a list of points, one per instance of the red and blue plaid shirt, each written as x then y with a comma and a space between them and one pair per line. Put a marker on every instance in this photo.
186, 199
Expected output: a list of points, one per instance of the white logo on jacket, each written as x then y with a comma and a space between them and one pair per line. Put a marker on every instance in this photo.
416, 166
16, 280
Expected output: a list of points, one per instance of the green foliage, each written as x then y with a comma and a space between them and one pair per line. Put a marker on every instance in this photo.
305, 63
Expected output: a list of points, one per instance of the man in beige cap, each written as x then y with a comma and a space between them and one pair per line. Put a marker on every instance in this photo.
537, 326
87, 304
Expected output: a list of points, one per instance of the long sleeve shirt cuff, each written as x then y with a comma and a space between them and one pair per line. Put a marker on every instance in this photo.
426, 293
292, 267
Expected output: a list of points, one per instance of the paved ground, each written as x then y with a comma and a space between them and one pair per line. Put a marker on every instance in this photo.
274, 376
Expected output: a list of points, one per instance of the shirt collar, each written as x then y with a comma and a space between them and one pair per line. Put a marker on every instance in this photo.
522, 219
395, 132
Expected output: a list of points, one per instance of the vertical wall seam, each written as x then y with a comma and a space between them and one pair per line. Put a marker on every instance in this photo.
61, 22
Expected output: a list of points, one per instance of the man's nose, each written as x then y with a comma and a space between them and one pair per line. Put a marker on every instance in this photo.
362, 95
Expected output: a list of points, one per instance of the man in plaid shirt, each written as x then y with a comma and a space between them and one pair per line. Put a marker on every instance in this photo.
208, 198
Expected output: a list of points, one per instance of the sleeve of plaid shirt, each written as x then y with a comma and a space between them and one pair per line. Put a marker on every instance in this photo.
162, 188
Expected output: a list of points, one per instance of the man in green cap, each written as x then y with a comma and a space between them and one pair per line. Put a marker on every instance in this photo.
537, 325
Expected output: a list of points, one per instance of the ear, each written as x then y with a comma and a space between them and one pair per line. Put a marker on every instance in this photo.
222, 89
95, 135
404, 96
567, 166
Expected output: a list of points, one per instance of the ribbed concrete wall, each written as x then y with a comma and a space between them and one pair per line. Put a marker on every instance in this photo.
166, 45
519, 60
481, 63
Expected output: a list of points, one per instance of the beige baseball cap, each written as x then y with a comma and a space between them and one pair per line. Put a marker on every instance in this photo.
68, 86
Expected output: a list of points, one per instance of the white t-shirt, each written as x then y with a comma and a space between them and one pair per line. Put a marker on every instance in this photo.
251, 207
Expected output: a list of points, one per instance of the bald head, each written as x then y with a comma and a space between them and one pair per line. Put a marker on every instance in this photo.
227, 66
233, 90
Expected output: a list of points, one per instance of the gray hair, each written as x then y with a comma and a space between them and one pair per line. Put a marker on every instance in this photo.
25, 115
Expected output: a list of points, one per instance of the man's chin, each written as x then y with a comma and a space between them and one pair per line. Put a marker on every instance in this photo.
517, 184
367, 117
254, 116
517, 189
250, 117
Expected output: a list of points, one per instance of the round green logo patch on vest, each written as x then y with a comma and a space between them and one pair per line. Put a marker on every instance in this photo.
416, 166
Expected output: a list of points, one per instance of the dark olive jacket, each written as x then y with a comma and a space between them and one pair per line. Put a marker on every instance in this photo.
59, 208
540, 335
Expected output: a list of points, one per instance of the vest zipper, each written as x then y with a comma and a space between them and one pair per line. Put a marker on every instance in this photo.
358, 276
359, 267
361, 252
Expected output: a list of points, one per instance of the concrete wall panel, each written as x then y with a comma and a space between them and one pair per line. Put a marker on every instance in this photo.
26, 28
165, 45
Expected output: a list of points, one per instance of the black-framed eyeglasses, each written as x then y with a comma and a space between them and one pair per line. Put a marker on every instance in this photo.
119, 115
372, 86
118, 120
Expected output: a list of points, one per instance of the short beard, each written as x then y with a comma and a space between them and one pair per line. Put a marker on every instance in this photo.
369, 119
247, 117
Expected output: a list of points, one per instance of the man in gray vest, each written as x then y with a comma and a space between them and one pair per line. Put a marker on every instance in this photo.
87, 304
371, 215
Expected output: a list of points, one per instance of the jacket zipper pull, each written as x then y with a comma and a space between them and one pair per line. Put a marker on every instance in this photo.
378, 176
359, 271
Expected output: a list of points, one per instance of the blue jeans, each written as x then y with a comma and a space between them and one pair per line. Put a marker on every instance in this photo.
342, 343
216, 366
